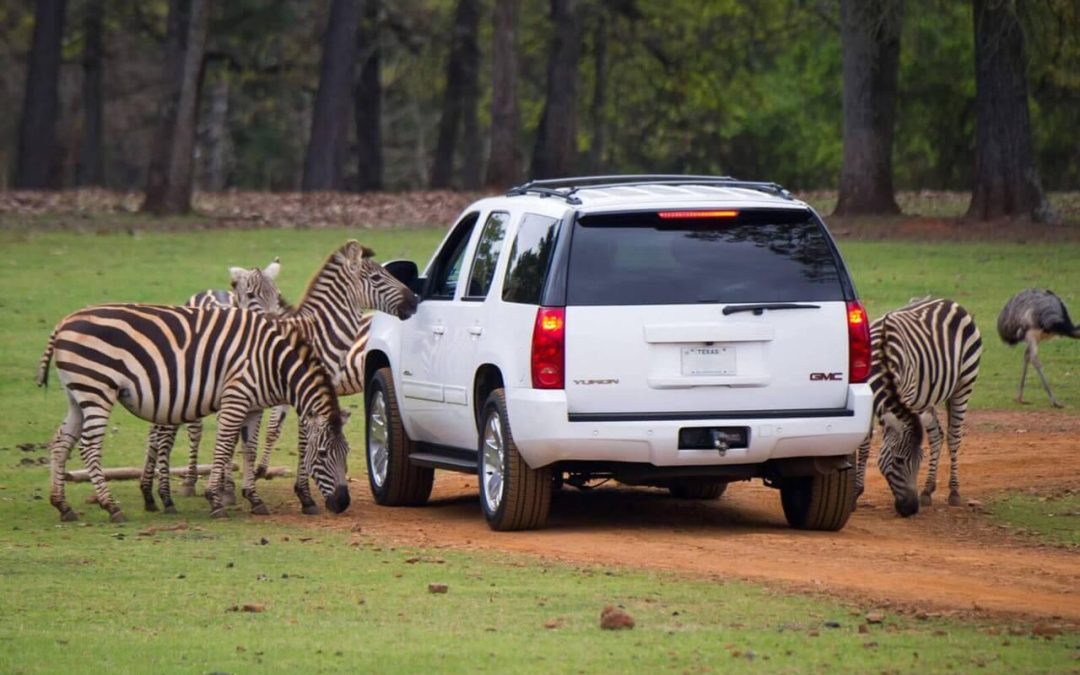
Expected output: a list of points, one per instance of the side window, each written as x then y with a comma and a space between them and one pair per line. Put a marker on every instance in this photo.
529, 258
487, 254
447, 268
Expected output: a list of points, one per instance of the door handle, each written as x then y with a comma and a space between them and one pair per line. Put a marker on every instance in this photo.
475, 330
438, 329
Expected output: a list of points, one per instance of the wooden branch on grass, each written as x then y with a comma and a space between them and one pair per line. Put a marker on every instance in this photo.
134, 473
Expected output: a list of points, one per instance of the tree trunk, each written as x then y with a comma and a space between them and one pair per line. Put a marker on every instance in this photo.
90, 169
1006, 182
555, 150
461, 94
504, 161
170, 178
217, 136
324, 162
41, 104
368, 105
871, 57
596, 149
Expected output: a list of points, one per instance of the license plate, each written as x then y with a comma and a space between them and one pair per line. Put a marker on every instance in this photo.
708, 361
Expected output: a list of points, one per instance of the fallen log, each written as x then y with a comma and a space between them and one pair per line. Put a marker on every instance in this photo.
134, 473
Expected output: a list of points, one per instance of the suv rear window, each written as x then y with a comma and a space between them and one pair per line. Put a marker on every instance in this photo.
756, 256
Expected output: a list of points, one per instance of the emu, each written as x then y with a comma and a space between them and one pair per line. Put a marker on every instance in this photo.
1031, 316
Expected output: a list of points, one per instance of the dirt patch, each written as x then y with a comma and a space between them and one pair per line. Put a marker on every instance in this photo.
946, 559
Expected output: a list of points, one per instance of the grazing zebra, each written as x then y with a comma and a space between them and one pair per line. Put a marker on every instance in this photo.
262, 296
924, 354
173, 365
331, 318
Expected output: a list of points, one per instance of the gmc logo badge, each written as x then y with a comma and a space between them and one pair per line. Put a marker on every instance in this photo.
832, 377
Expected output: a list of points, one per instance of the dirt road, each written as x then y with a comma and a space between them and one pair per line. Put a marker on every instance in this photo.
944, 559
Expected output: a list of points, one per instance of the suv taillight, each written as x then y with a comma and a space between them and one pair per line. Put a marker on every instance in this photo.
858, 342
548, 348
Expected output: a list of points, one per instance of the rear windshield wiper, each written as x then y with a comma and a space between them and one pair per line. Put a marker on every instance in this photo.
758, 309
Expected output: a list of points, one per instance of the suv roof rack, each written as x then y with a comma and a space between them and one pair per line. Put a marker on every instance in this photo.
566, 188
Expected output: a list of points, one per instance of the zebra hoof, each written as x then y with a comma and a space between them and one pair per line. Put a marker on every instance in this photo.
187, 490
260, 509
955, 499
219, 513
149, 506
260, 472
925, 499
117, 516
69, 516
170, 510
310, 510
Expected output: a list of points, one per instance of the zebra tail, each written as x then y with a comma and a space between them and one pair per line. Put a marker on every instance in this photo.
43, 365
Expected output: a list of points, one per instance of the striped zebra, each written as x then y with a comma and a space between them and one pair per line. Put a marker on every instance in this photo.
173, 365
331, 318
924, 354
262, 296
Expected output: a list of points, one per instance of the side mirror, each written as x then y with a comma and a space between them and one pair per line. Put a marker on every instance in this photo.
406, 272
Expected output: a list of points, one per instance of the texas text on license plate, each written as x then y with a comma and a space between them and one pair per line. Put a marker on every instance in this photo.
709, 360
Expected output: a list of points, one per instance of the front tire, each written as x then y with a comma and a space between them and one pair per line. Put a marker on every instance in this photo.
818, 502
513, 496
394, 480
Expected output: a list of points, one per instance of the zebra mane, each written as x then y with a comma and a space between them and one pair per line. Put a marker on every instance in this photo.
306, 354
351, 250
893, 405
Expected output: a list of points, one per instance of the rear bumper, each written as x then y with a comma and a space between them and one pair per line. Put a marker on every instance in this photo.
544, 434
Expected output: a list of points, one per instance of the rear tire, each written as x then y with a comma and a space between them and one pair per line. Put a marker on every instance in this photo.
513, 496
697, 488
394, 480
818, 502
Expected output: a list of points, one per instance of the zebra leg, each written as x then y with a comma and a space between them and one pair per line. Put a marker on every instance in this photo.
59, 450
166, 439
146, 480
862, 456
957, 410
194, 431
301, 487
273, 433
933, 432
230, 419
250, 436
95, 421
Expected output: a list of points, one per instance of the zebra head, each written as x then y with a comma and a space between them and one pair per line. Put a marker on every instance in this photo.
325, 458
255, 290
374, 287
899, 459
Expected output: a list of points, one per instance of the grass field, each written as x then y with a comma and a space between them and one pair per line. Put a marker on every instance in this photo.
92, 596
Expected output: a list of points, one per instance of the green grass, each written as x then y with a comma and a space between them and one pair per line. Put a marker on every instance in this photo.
1051, 517
92, 596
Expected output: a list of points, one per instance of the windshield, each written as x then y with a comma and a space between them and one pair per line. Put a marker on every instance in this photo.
756, 256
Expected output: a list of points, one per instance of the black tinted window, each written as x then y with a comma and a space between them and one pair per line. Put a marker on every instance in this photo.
758, 256
529, 258
487, 254
447, 268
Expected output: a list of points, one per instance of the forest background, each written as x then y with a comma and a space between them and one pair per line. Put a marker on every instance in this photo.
356, 95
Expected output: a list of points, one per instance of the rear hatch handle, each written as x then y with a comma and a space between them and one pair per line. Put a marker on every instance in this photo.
758, 309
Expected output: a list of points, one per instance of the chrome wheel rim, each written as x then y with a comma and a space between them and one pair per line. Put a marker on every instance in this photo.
494, 451
378, 448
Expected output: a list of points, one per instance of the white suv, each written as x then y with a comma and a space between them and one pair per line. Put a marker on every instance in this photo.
673, 331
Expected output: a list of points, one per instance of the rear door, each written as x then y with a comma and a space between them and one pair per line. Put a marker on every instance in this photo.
737, 313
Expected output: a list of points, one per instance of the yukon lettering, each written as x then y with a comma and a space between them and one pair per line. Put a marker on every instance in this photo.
606, 380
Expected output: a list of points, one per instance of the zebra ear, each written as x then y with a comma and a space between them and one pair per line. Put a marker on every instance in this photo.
237, 273
891, 420
366, 252
345, 415
272, 270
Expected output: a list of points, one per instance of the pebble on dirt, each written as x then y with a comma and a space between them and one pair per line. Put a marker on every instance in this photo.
613, 618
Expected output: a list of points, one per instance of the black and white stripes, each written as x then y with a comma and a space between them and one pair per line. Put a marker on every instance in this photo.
924, 354
173, 365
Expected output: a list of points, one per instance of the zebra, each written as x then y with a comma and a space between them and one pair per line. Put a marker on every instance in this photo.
331, 318
924, 354
172, 365
261, 295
